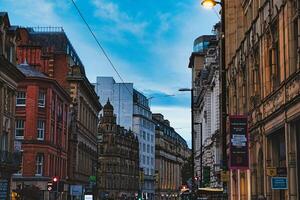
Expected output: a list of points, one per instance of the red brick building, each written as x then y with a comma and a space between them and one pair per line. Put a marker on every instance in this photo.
42, 108
9, 78
49, 51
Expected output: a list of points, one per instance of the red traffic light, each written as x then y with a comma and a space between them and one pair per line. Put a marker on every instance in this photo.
55, 179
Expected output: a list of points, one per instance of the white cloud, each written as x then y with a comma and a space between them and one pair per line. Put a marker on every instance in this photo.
179, 117
123, 22
37, 12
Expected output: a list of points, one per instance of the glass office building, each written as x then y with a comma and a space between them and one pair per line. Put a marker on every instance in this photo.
145, 129
120, 96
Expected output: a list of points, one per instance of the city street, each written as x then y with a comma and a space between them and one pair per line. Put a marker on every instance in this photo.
149, 100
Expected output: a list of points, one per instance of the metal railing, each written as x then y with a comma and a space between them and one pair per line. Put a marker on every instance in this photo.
46, 29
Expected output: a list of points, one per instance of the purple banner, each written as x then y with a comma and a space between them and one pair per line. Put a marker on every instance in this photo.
239, 142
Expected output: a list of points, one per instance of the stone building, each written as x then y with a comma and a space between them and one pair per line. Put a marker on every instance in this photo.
133, 112
42, 109
49, 51
207, 122
9, 78
171, 152
203, 64
263, 83
118, 158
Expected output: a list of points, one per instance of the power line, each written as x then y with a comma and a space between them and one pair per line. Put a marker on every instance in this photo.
100, 46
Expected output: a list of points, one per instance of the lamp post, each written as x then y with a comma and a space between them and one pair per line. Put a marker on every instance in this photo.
223, 114
192, 131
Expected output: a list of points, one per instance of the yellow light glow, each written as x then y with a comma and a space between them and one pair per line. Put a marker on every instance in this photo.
208, 4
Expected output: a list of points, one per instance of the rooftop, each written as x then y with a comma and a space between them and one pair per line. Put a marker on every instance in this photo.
30, 71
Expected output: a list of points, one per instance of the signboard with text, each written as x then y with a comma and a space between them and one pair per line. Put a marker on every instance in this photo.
76, 190
279, 183
239, 142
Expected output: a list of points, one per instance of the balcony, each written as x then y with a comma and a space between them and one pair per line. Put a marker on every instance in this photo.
10, 161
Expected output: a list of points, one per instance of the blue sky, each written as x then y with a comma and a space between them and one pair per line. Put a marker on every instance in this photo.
148, 41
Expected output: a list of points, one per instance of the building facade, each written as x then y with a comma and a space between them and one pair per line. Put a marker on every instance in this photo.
10, 159
133, 112
207, 144
120, 96
171, 152
203, 63
49, 51
263, 70
144, 128
42, 111
118, 172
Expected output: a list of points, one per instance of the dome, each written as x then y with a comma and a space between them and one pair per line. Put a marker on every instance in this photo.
108, 106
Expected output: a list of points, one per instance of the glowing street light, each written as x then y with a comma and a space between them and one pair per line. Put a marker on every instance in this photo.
209, 4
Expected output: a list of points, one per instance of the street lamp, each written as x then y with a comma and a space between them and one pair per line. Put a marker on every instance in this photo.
223, 113
192, 131
209, 4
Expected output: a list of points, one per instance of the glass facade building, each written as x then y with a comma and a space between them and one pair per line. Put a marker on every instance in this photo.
145, 129
120, 96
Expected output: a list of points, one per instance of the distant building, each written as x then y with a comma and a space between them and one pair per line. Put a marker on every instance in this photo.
171, 152
202, 101
133, 112
118, 172
42, 109
9, 77
49, 51
144, 128
207, 119
120, 95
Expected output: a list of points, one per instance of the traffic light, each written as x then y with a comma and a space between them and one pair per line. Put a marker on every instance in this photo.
55, 181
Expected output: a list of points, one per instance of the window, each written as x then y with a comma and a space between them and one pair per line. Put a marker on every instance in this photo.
144, 160
152, 138
41, 99
39, 164
144, 147
148, 148
144, 135
4, 141
21, 165
152, 149
152, 161
40, 130
148, 160
148, 137
19, 134
21, 99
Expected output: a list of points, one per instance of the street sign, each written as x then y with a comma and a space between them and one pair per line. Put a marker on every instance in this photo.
3, 189
92, 179
279, 183
225, 176
88, 197
76, 190
271, 171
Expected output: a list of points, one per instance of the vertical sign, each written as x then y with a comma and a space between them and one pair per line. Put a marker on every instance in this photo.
3, 189
239, 142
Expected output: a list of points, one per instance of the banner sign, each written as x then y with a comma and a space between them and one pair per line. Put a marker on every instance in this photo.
239, 142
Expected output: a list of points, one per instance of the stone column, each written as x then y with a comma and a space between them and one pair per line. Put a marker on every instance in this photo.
290, 133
